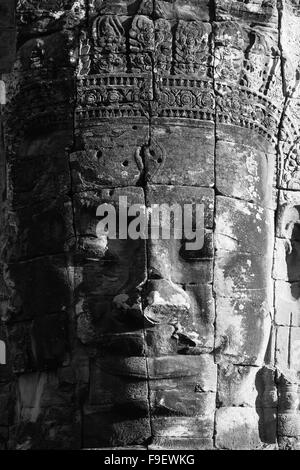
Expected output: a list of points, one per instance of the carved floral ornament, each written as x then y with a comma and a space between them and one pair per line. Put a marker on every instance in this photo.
146, 41
246, 70
290, 177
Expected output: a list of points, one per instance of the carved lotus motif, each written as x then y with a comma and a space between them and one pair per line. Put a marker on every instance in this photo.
91, 98
109, 63
145, 37
113, 96
142, 34
163, 45
187, 99
206, 100
192, 52
109, 34
164, 98
269, 123
246, 109
236, 103
141, 62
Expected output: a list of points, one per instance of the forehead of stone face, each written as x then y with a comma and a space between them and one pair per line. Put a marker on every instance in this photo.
109, 154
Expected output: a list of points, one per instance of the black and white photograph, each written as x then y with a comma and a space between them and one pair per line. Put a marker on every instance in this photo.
149, 228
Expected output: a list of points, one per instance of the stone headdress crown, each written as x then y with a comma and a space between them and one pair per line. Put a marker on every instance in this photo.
131, 67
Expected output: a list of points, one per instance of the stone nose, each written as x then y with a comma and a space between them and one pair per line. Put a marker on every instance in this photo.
165, 302
163, 258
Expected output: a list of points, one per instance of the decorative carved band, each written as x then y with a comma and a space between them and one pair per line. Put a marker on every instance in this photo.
125, 95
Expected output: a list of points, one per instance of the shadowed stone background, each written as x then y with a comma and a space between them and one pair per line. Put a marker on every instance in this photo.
128, 344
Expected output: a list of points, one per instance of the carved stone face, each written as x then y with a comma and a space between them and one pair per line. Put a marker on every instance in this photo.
161, 318
170, 106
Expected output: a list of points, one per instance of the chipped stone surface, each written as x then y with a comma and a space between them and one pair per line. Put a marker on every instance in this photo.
192, 164
108, 156
238, 273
